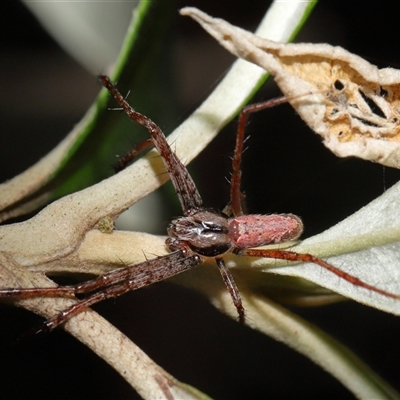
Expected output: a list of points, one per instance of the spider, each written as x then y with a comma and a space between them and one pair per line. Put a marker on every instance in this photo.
199, 234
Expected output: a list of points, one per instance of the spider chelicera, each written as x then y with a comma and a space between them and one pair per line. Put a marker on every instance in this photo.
200, 233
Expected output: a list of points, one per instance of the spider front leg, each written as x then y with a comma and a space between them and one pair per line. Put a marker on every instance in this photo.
116, 283
235, 191
185, 187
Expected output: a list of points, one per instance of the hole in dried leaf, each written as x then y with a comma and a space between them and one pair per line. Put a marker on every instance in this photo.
366, 122
338, 85
383, 92
372, 105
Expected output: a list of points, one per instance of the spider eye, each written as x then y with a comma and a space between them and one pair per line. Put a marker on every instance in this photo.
213, 227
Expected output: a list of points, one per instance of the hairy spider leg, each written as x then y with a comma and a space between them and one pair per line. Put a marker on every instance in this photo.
185, 187
304, 257
232, 289
235, 190
127, 158
141, 275
112, 284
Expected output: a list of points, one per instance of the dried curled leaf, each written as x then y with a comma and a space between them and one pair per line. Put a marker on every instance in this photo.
354, 105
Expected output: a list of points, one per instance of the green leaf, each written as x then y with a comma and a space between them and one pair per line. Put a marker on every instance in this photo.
86, 155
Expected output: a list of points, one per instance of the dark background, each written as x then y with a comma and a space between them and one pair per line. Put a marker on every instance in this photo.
286, 169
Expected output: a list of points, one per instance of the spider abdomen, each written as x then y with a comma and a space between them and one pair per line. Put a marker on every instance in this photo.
258, 230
